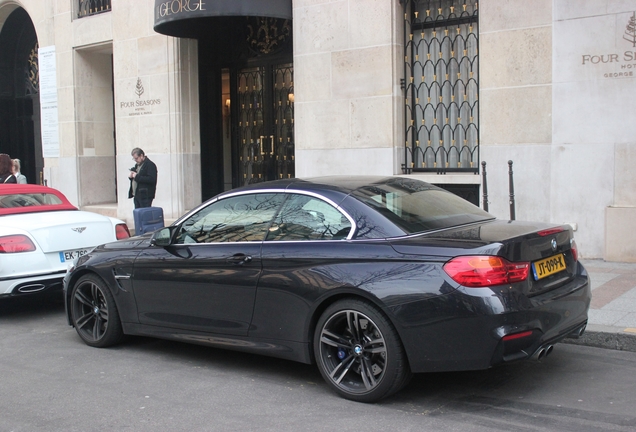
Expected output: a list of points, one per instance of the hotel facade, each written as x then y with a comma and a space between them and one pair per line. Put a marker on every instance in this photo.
222, 93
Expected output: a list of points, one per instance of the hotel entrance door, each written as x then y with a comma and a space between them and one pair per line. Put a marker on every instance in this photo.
246, 103
263, 127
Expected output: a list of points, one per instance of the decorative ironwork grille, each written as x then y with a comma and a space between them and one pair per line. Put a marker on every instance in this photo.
266, 123
441, 84
267, 35
284, 120
251, 126
32, 72
92, 7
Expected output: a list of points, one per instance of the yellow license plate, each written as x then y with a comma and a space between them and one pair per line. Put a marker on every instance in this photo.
548, 266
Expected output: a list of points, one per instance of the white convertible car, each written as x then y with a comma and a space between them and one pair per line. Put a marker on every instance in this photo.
41, 233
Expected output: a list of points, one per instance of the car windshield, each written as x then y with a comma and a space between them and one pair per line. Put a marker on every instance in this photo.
416, 206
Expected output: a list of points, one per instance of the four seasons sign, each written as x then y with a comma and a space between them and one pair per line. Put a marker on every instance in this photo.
139, 106
624, 63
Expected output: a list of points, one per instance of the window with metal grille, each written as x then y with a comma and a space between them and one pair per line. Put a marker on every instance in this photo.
441, 86
92, 7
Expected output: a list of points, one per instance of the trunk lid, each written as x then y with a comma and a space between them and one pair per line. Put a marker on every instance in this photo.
546, 247
63, 230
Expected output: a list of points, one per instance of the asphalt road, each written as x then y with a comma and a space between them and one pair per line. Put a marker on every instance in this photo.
51, 381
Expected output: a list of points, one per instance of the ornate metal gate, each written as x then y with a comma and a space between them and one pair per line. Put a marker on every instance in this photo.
265, 123
441, 86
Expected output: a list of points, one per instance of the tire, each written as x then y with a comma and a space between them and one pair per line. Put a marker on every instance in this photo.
94, 313
359, 353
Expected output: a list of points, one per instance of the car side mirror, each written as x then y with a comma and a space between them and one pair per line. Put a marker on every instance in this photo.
162, 238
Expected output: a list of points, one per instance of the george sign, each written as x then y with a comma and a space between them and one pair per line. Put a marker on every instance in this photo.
189, 18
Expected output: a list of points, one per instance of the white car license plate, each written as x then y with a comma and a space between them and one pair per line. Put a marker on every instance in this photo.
71, 255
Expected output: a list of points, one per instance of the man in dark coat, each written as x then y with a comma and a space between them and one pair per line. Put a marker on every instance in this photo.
143, 179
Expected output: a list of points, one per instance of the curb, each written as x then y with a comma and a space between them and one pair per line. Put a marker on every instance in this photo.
606, 337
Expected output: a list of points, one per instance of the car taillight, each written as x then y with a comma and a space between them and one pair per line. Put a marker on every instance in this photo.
15, 244
574, 249
121, 231
483, 271
515, 336
550, 231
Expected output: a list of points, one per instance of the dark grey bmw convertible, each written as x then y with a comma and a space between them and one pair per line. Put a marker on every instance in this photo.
371, 278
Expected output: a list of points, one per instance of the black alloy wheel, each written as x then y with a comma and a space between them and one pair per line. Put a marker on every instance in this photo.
359, 353
94, 313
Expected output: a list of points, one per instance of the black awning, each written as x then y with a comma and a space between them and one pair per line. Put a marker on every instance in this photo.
190, 18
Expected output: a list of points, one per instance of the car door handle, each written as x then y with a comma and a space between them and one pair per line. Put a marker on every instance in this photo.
239, 259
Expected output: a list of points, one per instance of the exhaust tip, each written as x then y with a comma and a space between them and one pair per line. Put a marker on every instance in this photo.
538, 354
578, 332
542, 352
31, 288
549, 350
582, 330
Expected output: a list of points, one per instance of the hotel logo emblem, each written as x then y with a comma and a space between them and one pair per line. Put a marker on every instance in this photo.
139, 88
630, 30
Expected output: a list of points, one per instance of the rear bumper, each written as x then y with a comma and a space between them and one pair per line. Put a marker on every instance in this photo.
31, 284
464, 330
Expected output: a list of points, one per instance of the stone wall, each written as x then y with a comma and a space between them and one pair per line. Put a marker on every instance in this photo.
347, 69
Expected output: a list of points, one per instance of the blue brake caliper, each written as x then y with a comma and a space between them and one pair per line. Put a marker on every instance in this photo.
341, 353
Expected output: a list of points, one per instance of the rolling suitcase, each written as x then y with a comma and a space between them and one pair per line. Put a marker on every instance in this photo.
147, 219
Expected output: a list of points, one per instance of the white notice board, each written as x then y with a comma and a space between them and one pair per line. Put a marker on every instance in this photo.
48, 102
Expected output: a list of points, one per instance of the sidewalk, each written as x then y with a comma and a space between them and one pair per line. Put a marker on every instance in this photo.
612, 317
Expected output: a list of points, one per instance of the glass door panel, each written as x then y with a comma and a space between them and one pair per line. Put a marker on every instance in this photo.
265, 127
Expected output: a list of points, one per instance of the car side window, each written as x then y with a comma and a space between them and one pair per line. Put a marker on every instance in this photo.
303, 217
234, 219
